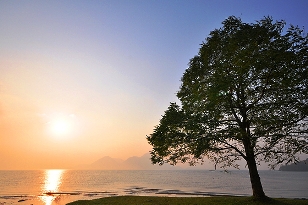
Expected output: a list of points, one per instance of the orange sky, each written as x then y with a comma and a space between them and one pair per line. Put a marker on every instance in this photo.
50, 121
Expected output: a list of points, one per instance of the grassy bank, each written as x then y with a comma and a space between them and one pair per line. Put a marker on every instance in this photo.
152, 200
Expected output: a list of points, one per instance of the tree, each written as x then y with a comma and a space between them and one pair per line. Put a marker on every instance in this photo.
244, 96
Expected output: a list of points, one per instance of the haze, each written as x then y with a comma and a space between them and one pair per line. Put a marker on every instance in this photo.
80, 80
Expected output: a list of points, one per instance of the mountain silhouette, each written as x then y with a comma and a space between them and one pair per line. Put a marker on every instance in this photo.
132, 163
136, 163
107, 163
301, 166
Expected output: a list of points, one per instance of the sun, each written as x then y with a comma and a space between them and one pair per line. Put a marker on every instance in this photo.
60, 126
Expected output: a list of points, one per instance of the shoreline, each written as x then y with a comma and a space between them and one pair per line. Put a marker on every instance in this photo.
87, 185
69, 197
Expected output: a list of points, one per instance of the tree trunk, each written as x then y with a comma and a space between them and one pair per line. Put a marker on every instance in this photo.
257, 189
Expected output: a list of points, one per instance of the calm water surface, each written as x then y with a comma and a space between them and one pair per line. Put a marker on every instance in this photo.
50, 187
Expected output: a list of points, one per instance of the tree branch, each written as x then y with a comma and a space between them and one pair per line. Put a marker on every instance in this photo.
235, 148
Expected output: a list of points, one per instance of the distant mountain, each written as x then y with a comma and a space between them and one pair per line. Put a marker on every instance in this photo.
132, 163
107, 163
301, 166
137, 163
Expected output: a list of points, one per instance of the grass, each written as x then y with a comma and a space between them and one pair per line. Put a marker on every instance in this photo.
153, 200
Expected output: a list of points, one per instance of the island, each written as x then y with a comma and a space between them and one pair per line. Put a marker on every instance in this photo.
301, 166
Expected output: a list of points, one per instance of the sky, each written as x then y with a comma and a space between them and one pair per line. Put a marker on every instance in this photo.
80, 80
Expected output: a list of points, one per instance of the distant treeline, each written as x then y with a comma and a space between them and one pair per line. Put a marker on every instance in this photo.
300, 166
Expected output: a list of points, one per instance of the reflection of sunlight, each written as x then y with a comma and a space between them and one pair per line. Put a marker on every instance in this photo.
52, 182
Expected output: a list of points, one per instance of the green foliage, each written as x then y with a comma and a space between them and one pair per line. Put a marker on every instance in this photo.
150, 200
243, 96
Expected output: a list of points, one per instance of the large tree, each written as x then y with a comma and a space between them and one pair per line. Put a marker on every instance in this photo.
244, 96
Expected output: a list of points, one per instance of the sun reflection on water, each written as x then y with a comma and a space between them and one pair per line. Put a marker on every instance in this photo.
51, 186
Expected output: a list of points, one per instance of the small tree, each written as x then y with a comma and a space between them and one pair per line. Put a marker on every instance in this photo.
243, 96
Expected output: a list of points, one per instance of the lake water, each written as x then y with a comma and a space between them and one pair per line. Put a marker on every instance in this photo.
50, 187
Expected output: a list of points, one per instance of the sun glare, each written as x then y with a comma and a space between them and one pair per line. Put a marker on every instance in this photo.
60, 126
51, 186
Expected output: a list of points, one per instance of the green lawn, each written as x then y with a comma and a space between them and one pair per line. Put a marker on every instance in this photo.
153, 200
